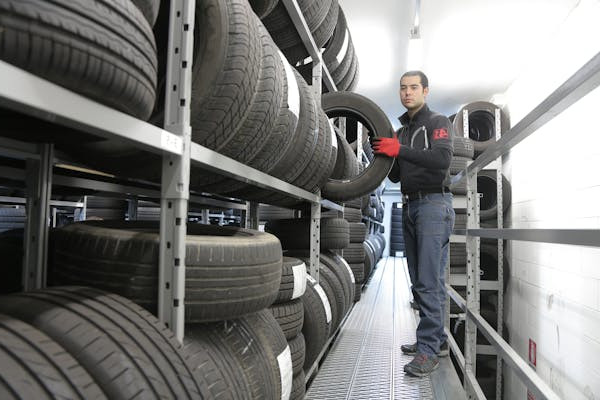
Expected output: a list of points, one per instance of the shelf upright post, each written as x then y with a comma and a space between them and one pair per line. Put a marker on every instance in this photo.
132, 209
252, 217
206, 216
39, 189
500, 297
472, 274
315, 233
176, 168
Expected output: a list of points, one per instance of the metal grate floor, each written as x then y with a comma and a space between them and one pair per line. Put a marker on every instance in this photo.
365, 361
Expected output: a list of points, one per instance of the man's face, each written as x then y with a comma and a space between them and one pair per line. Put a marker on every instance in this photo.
412, 93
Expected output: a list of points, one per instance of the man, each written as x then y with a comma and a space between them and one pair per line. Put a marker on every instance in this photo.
422, 152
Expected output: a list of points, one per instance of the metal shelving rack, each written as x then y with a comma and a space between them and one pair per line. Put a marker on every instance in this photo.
36, 97
586, 79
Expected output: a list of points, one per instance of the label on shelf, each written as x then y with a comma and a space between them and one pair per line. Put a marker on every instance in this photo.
323, 297
299, 272
293, 92
171, 142
284, 360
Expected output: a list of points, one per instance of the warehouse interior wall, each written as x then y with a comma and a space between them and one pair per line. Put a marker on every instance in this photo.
553, 296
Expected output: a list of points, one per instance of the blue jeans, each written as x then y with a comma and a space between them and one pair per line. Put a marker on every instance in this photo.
427, 224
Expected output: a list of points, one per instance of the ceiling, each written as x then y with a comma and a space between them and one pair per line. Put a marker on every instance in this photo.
471, 49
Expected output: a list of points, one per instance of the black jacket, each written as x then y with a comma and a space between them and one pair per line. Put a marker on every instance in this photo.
425, 152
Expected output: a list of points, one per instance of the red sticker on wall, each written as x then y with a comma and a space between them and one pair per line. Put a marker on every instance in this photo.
441, 133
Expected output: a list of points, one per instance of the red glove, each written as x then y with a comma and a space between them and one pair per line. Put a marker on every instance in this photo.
386, 146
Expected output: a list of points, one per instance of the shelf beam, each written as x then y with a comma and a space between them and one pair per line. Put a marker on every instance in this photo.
26, 93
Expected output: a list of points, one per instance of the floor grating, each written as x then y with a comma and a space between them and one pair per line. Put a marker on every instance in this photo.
365, 362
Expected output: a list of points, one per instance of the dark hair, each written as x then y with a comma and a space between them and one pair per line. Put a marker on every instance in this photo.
424, 80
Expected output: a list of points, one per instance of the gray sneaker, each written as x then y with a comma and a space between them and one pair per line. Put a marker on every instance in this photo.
421, 365
411, 349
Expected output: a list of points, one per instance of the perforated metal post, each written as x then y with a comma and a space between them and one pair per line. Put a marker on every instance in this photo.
315, 233
500, 208
176, 168
39, 189
473, 278
252, 217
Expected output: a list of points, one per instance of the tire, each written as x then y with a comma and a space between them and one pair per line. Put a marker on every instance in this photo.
293, 280
317, 321
334, 297
341, 269
320, 35
358, 269
358, 292
463, 147
358, 232
460, 222
294, 234
296, 155
262, 8
267, 212
481, 124
320, 16
298, 351
340, 104
213, 112
124, 348
346, 166
352, 215
237, 269
213, 362
104, 50
488, 264
36, 367
458, 164
460, 188
240, 349
289, 316
354, 253
458, 254
319, 167
278, 351
487, 185
298, 387
149, 8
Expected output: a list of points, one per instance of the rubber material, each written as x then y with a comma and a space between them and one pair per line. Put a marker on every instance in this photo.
229, 271
124, 348
102, 49
374, 119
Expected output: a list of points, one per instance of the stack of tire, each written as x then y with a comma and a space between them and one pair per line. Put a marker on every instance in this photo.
355, 255
288, 310
336, 278
397, 232
232, 276
481, 135
83, 343
12, 218
327, 23
339, 57
374, 246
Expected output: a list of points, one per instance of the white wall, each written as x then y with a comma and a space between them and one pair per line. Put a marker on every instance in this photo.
554, 291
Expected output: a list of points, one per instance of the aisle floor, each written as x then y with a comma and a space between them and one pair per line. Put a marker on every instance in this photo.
365, 362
